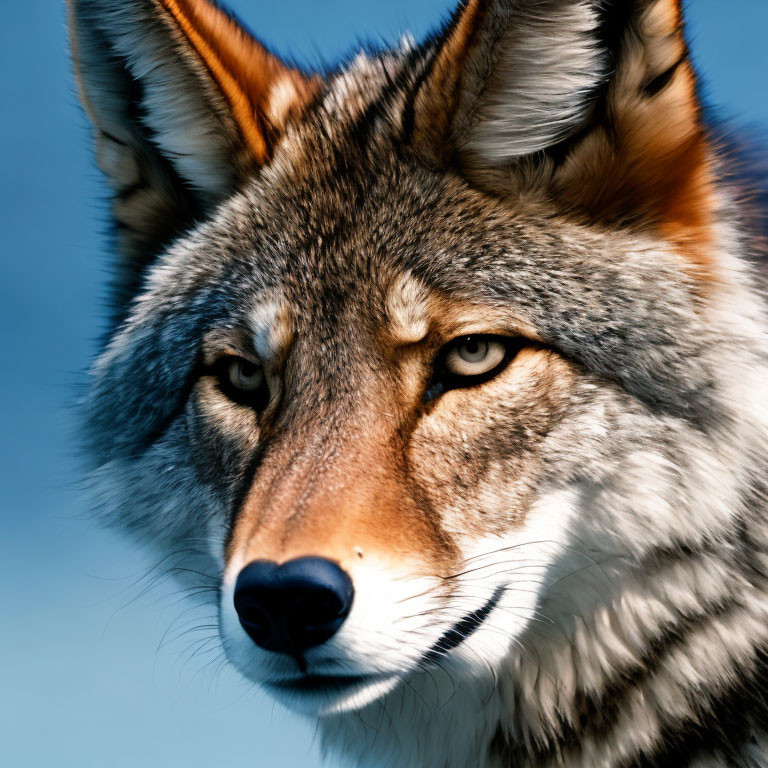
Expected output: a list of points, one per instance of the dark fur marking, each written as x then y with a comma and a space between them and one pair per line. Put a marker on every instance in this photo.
112, 137
130, 191
408, 120
460, 631
378, 107
722, 728
432, 45
599, 715
660, 82
245, 481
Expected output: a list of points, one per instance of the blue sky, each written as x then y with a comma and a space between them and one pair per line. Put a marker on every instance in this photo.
84, 683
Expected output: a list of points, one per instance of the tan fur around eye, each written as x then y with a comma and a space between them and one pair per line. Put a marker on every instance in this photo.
407, 305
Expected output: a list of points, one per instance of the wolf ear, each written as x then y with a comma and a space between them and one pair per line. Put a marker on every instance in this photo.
509, 78
185, 104
593, 100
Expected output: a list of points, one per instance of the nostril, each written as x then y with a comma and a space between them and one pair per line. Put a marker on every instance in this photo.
293, 606
255, 622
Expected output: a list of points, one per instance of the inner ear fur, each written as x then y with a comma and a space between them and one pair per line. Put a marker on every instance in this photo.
185, 105
261, 92
593, 103
647, 158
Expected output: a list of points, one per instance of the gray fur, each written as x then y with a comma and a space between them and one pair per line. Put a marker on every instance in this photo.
647, 641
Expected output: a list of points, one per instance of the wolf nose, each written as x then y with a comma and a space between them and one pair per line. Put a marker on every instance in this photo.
295, 605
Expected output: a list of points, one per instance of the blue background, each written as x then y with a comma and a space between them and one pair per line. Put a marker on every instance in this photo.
82, 679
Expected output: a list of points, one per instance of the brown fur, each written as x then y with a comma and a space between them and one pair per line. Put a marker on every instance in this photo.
566, 549
650, 164
361, 501
644, 164
261, 91
437, 101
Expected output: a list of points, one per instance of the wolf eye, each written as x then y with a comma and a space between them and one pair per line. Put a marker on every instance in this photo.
471, 360
242, 381
245, 375
474, 356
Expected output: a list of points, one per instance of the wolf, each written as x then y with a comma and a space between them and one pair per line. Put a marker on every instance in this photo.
446, 367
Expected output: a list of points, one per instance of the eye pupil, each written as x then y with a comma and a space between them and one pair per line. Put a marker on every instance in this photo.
474, 356
245, 375
473, 350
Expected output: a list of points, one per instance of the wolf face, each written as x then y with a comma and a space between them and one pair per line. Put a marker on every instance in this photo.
447, 365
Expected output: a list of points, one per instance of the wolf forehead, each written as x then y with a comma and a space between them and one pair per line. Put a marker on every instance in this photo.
378, 244
405, 315
317, 233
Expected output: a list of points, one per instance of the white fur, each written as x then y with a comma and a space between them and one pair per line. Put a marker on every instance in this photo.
528, 107
269, 324
407, 309
421, 717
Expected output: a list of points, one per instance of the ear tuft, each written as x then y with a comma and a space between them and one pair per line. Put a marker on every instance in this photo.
590, 102
512, 79
648, 160
261, 92
185, 106
524, 108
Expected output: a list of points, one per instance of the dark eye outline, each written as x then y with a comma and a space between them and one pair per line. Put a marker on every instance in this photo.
444, 380
256, 399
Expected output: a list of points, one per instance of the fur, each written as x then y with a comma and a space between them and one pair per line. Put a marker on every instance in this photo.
565, 564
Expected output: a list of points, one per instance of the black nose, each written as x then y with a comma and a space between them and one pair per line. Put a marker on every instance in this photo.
293, 606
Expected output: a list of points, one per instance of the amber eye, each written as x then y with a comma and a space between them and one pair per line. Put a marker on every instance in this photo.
474, 356
471, 360
242, 381
245, 375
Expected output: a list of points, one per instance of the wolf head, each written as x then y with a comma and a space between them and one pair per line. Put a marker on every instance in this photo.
404, 350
